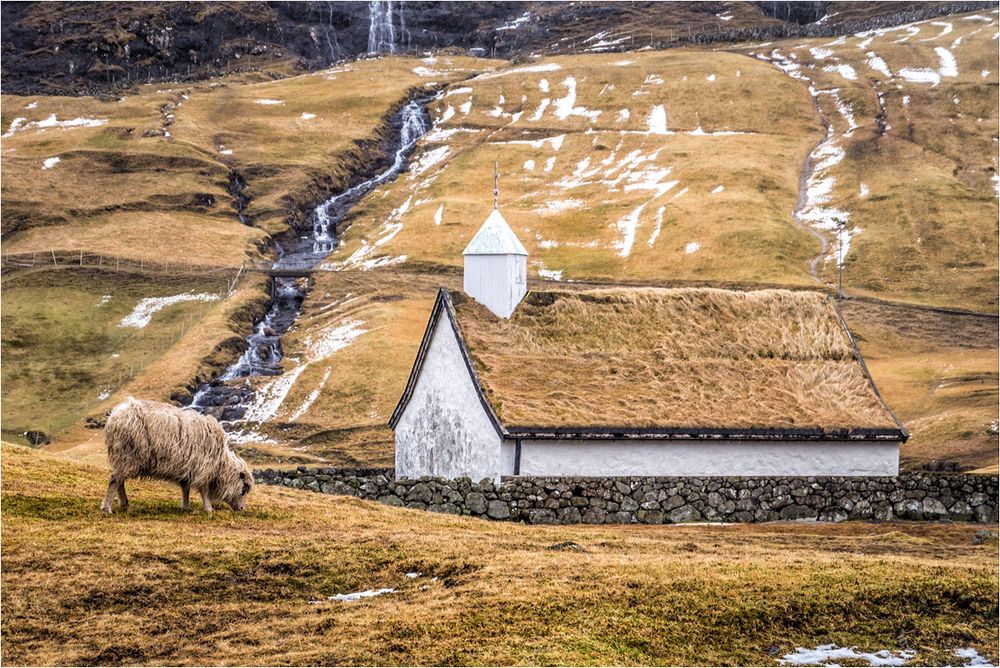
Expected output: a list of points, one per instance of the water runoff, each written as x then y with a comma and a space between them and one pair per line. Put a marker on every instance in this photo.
225, 397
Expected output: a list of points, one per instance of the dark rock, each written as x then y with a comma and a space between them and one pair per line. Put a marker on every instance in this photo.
497, 510
566, 546
541, 516
475, 502
569, 515
984, 536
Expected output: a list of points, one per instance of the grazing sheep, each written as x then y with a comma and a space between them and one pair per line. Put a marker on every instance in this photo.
149, 439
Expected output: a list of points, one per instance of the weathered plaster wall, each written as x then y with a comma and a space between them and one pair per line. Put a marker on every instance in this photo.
706, 458
648, 500
499, 282
444, 430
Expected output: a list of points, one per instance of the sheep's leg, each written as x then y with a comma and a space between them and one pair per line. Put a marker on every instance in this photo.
109, 498
185, 496
205, 501
122, 497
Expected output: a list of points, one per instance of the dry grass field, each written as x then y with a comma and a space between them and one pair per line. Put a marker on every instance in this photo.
158, 586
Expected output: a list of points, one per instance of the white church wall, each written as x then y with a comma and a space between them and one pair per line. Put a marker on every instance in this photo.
444, 429
716, 458
499, 282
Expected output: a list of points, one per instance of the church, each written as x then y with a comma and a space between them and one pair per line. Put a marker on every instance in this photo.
635, 381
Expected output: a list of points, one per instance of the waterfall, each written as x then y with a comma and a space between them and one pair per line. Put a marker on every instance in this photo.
413, 126
381, 33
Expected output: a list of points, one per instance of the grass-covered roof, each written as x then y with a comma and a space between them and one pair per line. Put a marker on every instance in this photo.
682, 358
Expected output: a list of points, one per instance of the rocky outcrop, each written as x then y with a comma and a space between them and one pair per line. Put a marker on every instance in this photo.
910, 496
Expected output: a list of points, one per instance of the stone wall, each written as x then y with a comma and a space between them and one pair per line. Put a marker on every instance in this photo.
910, 496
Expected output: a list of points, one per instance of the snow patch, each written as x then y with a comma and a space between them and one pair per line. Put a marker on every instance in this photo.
144, 311
49, 163
311, 399
306, 116
428, 159
545, 67
550, 163
529, 165
564, 106
551, 274
358, 595
439, 215
825, 655
718, 189
863, 191
267, 101
627, 226
949, 67
442, 134
876, 63
623, 115
844, 70
556, 206
920, 75
692, 247
658, 225
657, 120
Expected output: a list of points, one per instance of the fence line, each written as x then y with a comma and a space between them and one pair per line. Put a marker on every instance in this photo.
80, 259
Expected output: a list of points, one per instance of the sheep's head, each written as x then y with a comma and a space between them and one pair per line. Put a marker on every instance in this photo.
235, 488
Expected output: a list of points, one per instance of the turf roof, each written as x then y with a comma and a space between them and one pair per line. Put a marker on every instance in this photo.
696, 358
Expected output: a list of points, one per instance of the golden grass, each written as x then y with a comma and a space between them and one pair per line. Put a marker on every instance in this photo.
159, 586
939, 373
670, 358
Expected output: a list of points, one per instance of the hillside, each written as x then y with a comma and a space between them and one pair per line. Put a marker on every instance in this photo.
134, 199
725, 165
160, 586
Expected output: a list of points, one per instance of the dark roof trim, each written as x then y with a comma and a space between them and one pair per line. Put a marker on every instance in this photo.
864, 369
444, 305
706, 433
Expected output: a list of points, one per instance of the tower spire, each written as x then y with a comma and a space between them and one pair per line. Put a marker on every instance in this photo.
496, 184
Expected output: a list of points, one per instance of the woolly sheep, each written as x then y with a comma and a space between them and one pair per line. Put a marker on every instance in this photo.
149, 439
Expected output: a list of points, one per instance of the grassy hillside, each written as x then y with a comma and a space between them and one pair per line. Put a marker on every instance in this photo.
608, 169
687, 165
146, 179
160, 586
912, 155
670, 168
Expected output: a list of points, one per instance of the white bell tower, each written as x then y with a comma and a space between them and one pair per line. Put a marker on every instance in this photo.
496, 264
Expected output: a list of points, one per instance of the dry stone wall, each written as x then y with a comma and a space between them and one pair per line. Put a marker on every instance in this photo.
910, 496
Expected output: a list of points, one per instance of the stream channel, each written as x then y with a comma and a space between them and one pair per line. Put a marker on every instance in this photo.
225, 397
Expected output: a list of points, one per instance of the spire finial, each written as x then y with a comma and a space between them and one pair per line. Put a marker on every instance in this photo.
496, 184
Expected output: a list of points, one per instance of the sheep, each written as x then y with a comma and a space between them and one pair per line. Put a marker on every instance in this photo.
149, 439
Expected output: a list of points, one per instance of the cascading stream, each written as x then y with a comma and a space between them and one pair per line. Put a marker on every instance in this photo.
227, 399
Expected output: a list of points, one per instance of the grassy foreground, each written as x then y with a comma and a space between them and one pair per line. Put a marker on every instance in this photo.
158, 586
